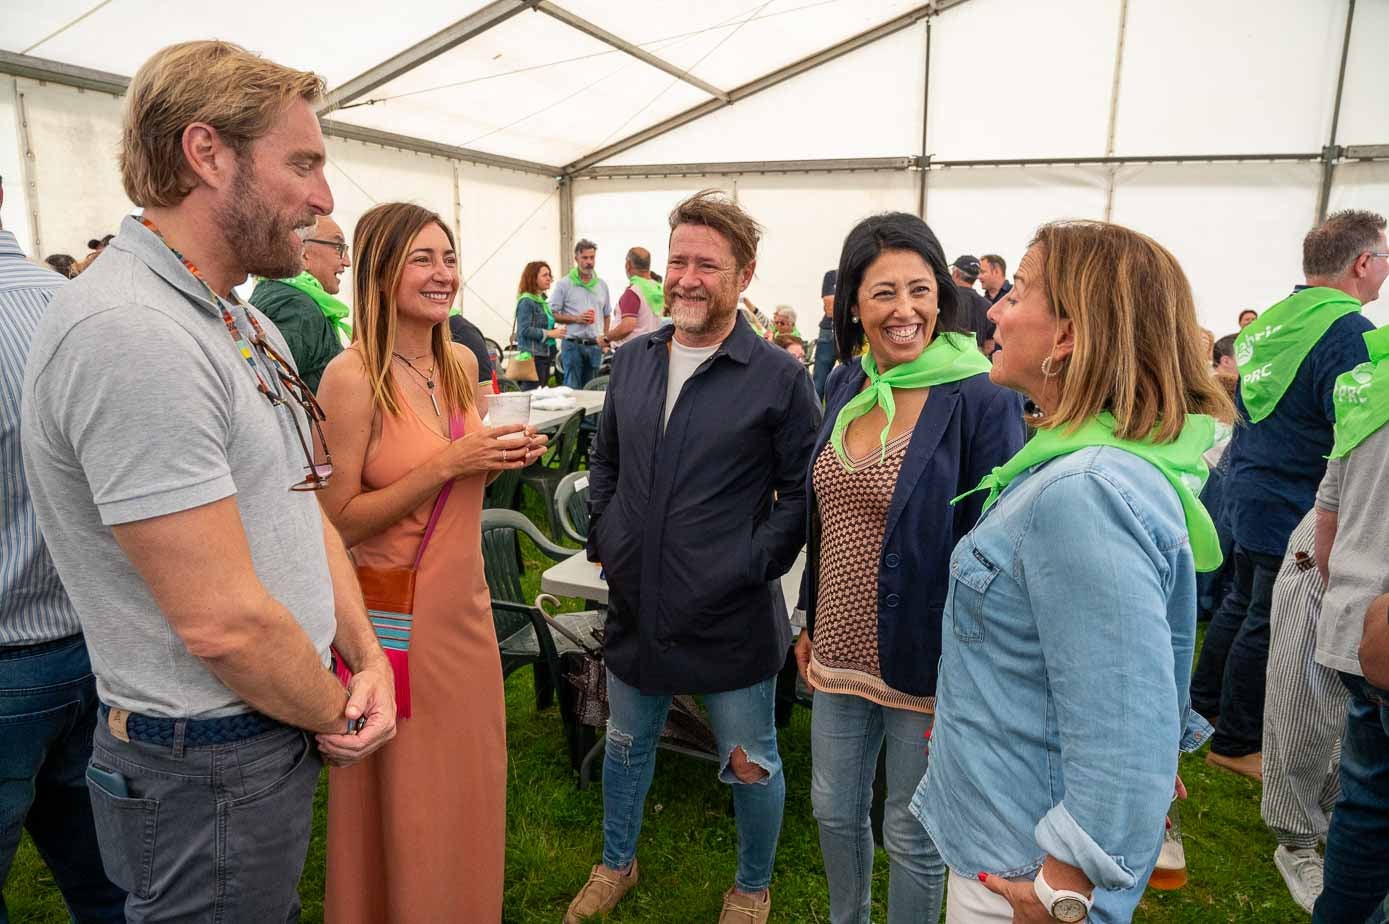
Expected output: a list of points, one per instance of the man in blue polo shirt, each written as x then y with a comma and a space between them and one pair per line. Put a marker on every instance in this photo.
1288, 359
578, 301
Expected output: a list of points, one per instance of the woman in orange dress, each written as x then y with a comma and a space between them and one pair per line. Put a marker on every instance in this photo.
416, 833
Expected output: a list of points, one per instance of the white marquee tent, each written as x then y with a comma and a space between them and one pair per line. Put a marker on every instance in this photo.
1223, 128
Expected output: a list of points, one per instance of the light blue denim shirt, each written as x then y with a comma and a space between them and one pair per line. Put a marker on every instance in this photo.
1063, 692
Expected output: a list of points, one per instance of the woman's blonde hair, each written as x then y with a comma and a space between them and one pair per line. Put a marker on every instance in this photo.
1138, 349
381, 244
238, 93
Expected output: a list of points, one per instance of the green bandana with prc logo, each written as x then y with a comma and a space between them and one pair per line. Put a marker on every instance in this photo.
1362, 396
1271, 349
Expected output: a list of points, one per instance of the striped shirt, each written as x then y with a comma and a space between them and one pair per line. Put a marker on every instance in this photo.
34, 607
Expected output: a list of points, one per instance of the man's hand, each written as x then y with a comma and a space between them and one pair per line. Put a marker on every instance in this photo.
1027, 908
371, 695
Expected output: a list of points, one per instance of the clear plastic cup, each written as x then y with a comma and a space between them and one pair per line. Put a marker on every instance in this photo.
507, 408
1170, 872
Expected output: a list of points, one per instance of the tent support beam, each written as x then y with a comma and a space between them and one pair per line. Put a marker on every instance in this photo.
349, 132
925, 114
31, 184
891, 27
1331, 152
575, 21
1114, 109
85, 78
834, 165
566, 223
493, 14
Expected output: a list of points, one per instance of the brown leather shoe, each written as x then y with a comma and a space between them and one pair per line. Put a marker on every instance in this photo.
745, 909
601, 893
1250, 765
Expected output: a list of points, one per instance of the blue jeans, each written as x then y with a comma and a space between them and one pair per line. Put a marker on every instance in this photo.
581, 362
1356, 876
215, 833
740, 719
824, 360
1229, 677
846, 733
47, 711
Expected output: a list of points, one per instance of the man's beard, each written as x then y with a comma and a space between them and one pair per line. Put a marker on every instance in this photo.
718, 310
262, 239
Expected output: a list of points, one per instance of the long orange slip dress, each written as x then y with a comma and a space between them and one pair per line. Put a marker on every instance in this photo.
417, 831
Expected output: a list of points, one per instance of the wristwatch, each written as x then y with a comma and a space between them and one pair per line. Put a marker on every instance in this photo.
1062, 904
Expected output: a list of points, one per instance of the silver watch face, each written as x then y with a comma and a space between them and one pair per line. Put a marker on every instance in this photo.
1069, 910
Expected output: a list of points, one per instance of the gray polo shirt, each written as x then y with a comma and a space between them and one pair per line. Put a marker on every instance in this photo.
1354, 488
568, 298
137, 404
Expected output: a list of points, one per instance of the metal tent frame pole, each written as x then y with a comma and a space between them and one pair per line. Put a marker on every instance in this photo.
1331, 152
575, 21
490, 16
925, 123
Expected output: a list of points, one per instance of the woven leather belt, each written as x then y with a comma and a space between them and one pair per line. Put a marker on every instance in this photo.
582, 341
197, 732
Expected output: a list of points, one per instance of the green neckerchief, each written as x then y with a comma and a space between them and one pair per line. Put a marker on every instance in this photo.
1362, 395
1271, 349
540, 299
1180, 461
948, 358
575, 278
653, 293
335, 311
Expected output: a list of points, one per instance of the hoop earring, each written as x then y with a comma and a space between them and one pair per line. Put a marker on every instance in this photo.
1050, 368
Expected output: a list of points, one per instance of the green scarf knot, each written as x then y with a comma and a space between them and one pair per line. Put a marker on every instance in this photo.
334, 310
650, 290
1179, 461
1271, 349
578, 280
1361, 396
948, 358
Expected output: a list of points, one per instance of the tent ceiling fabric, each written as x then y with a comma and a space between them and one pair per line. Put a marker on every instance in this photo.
530, 87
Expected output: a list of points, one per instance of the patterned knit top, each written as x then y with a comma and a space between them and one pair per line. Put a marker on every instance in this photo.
853, 515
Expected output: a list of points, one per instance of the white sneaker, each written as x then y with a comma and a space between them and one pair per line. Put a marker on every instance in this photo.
1302, 873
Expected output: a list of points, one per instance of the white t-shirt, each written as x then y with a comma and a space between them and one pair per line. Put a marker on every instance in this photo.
683, 363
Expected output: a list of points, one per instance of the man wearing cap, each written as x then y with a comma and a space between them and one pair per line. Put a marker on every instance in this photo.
965, 270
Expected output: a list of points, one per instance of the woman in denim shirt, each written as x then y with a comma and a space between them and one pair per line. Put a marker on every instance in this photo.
913, 424
536, 330
1071, 616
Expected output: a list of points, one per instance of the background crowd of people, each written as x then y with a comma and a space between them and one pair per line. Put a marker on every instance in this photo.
248, 544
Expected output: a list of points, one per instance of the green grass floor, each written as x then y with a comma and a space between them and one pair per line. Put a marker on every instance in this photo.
688, 845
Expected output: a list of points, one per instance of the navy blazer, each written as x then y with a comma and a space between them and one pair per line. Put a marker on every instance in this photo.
695, 522
965, 429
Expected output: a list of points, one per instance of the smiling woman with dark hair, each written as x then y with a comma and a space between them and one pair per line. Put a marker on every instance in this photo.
915, 423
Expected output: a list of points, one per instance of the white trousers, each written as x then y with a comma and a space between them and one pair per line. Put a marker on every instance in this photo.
968, 901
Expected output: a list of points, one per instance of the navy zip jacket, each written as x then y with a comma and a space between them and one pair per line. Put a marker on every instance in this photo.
965, 429
696, 525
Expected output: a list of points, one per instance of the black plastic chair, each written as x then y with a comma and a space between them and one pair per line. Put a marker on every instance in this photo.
571, 506
544, 475
523, 637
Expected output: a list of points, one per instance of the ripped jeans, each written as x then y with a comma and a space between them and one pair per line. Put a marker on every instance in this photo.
740, 719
